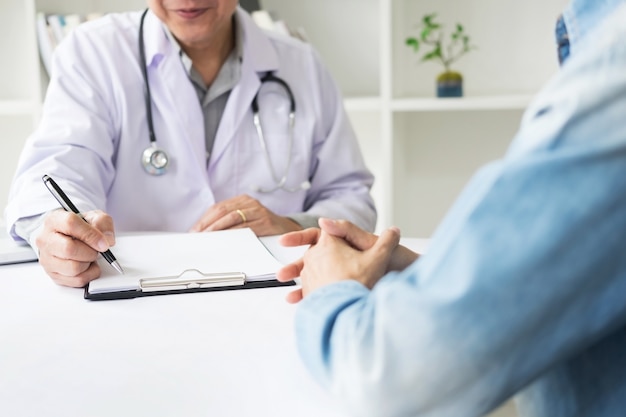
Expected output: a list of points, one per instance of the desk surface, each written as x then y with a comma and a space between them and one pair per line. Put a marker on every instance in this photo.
229, 353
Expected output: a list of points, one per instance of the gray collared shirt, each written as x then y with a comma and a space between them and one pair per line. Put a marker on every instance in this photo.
213, 98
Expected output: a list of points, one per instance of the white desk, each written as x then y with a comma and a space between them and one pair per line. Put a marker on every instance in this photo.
229, 353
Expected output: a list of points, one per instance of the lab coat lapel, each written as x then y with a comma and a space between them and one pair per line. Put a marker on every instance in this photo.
259, 57
172, 90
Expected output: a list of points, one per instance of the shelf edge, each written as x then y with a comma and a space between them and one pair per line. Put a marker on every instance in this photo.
491, 103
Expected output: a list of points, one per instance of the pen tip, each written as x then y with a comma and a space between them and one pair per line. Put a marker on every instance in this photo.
117, 267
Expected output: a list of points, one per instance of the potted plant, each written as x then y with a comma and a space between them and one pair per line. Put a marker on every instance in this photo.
432, 34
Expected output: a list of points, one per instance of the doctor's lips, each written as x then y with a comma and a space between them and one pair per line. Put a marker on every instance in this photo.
190, 13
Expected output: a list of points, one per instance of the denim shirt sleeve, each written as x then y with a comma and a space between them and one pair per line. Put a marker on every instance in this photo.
526, 270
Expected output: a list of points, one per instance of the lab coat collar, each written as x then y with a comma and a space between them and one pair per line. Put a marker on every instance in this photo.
157, 43
171, 89
257, 48
259, 57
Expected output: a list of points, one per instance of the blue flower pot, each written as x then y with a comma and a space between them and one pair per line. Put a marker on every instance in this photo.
450, 84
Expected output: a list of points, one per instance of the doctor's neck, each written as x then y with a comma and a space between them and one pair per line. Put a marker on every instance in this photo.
209, 55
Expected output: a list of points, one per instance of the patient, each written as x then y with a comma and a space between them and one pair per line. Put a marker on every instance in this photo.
523, 289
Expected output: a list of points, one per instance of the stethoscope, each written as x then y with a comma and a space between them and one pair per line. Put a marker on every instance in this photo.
155, 160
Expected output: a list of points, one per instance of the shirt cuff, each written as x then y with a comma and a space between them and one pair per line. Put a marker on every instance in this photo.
28, 228
315, 319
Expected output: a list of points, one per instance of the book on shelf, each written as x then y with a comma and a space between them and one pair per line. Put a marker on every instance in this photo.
52, 28
46, 40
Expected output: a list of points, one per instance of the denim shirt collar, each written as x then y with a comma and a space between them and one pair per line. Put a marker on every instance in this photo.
582, 16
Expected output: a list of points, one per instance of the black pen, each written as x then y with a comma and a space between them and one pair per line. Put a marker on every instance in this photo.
67, 204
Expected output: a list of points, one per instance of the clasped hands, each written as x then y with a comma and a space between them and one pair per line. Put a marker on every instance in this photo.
340, 251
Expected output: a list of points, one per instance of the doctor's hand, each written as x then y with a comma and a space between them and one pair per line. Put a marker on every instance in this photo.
332, 259
244, 211
69, 247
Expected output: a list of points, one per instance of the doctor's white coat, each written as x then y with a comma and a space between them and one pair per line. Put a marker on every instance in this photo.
94, 130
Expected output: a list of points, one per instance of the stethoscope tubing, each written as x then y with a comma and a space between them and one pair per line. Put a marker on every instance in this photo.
154, 160
146, 82
280, 181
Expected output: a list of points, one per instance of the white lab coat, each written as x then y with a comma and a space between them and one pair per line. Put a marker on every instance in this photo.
93, 132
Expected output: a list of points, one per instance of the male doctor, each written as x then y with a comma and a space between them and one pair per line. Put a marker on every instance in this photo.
204, 65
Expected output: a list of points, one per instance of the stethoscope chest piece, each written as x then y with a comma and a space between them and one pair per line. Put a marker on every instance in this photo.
154, 160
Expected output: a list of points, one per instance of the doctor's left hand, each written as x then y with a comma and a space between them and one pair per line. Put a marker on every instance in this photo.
69, 247
244, 211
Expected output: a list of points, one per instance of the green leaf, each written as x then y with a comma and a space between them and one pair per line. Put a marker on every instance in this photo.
433, 35
413, 43
429, 22
434, 54
428, 19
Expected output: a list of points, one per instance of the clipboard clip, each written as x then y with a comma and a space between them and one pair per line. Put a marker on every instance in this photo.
192, 279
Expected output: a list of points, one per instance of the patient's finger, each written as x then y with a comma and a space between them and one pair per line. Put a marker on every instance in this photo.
289, 272
302, 237
355, 236
294, 296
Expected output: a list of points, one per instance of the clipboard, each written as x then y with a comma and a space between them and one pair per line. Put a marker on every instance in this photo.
12, 252
177, 263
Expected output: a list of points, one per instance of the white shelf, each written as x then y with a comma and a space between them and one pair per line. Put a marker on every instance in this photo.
17, 107
490, 103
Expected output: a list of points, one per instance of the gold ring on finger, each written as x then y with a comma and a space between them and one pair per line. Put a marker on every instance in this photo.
244, 219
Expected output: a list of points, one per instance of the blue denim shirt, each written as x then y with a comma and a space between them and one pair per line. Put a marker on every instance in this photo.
523, 288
